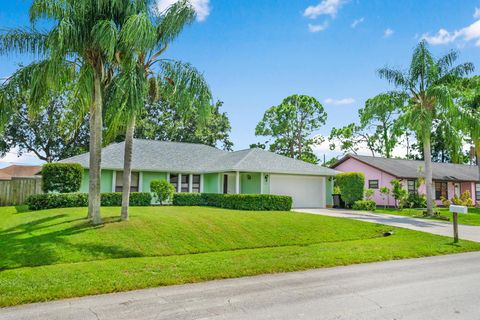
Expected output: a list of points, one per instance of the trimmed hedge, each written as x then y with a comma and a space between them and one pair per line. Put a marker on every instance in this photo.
252, 202
61, 177
367, 205
351, 185
68, 200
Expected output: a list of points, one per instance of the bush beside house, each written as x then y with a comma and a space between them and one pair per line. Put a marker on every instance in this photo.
254, 202
162, 190
61, 177
78, 199
351, 186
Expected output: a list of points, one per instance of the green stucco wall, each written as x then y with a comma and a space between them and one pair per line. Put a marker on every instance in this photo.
210, 183
329, 190
105, 181
250, 183
147, 177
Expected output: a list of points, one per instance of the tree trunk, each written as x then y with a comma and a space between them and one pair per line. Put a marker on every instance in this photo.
427, 156
127, 168
95, 152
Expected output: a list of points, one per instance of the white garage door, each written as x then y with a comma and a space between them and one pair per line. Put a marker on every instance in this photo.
306, 191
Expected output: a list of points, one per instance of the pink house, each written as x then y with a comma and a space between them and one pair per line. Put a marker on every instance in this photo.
449, 179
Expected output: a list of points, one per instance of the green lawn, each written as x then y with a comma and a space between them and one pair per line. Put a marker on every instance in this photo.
53, 254
472, 218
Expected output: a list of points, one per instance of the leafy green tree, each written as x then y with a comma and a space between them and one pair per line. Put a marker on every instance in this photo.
378, 130
428, 83
53, 133
469, 122
162, 190
81, 43
143, 40
291, 125
385, 192
163, 121
352, 186
352, 138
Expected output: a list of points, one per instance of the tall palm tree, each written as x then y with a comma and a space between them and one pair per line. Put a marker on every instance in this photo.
429, 84
469, 121
84, 35
145, 76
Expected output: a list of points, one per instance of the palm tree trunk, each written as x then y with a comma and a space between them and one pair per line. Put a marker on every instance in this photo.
95, 152
127, 168
427, 155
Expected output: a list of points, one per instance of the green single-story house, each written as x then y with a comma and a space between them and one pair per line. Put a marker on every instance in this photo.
200, 168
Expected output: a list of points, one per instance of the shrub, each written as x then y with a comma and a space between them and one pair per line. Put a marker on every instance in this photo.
445, 202
398, 192
414, 201
369, 193
464, 200
188, 199
258, 202
366, 205
351, 185
62, 177
162, 190
77, 199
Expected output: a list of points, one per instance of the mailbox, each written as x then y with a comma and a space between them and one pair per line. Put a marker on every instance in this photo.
458, 209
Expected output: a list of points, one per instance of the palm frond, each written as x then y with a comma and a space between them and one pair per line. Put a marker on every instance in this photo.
105, 36
48, 9
173, 21
23, 40
395, 77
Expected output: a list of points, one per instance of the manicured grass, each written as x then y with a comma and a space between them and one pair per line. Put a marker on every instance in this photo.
472, 218
55, 254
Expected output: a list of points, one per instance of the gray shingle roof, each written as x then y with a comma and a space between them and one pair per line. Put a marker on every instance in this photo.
415, 169
150, 155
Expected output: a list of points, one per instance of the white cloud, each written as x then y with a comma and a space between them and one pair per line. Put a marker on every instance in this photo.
476, 15
339, 102
325, 7
469, 33
388, 32
356, 22
317, 27
202, 7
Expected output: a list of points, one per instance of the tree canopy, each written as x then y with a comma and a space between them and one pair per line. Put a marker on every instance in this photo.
291, 125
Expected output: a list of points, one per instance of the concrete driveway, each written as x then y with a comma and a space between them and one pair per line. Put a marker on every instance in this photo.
471, 233
445, 287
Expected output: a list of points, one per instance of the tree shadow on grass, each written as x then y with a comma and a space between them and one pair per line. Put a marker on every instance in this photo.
43, 242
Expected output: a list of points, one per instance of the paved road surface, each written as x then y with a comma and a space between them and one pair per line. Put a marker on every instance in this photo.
471, 233
435, 288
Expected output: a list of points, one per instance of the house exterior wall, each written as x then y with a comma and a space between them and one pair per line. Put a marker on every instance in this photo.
371, 173
105, 181
211, 183
148, 177
329, 191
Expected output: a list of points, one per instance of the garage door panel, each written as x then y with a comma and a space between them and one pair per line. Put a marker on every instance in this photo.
306, 191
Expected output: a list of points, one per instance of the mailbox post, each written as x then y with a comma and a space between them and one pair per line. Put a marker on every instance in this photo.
456, 210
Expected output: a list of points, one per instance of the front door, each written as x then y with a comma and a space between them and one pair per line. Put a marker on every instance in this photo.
225, 183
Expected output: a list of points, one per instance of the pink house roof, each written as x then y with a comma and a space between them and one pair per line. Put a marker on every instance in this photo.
405, 169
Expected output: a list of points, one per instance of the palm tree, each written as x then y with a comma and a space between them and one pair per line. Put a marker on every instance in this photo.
84, 36
429, 85
469, 121
143, 40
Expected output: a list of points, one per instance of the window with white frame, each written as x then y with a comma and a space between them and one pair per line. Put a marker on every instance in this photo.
196, 183
477, 192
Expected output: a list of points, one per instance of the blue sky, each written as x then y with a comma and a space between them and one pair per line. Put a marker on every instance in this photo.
254, 53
